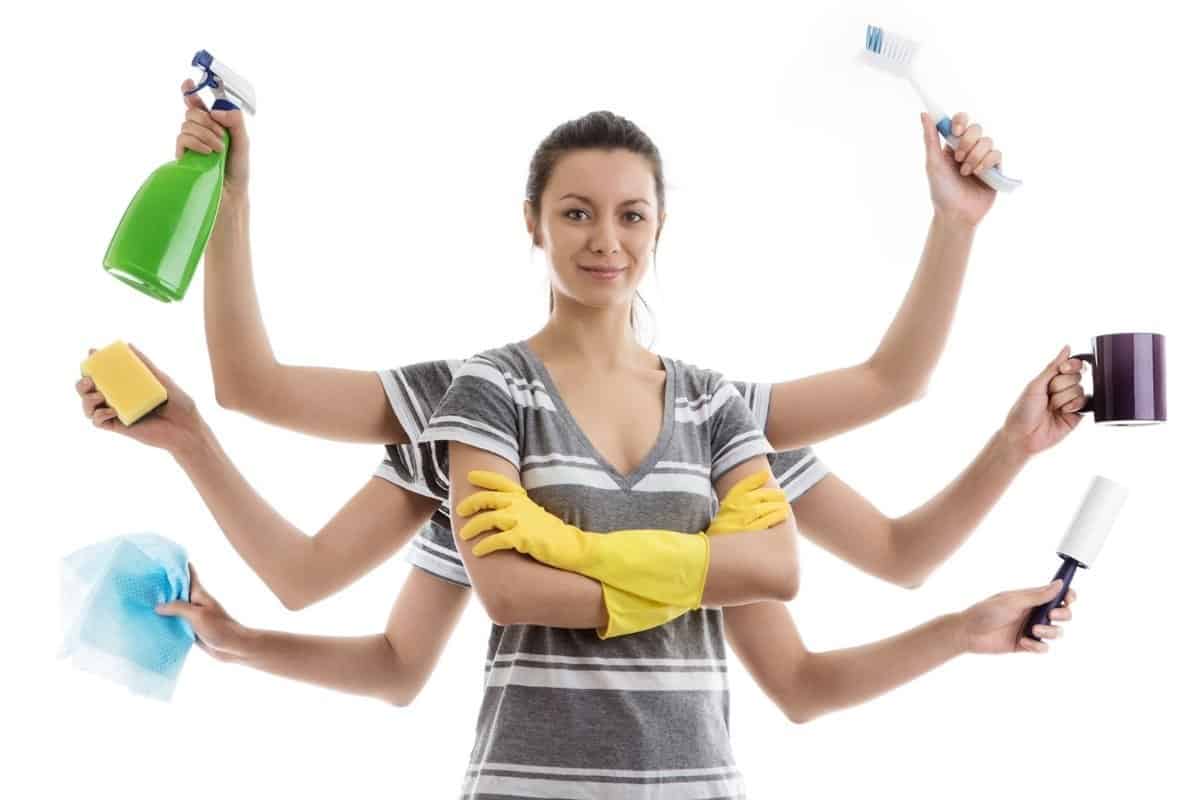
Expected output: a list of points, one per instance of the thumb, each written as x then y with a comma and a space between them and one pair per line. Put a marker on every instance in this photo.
1042, 594
176, 608
933, 146
234, 121
191, 100
162, 378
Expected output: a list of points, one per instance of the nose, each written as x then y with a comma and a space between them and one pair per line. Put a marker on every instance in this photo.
604, 240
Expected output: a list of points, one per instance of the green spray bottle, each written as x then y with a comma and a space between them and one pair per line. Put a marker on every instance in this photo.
164, 231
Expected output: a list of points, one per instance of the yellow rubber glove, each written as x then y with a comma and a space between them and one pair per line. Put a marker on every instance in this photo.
629, 613
749, 507
667, 567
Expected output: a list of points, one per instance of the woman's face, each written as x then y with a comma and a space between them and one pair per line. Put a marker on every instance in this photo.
598, 225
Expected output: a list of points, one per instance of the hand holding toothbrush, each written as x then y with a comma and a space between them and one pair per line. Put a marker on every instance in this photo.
955, 186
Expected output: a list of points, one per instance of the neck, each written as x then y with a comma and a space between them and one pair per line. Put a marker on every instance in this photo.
595, 338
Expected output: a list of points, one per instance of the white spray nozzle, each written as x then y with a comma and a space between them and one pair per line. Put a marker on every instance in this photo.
224, 81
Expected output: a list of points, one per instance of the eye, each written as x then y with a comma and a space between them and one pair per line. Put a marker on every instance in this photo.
636, 214
571, 211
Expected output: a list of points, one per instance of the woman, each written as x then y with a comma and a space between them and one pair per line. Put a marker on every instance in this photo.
354, 406
722, 589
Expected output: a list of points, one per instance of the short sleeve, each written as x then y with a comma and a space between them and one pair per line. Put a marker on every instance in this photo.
479, 410
414, 391
734, 436
796, 471
758, 399
433, 550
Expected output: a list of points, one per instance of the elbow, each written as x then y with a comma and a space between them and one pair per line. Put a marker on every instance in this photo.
785, 584
499, 605
226, 397
295, 603
400, 696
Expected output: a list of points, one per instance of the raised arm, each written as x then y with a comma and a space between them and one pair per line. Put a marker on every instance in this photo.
805, 685
392, 666
342, 404
810, 409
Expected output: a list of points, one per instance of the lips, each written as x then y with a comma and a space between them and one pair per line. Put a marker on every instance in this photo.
601, 268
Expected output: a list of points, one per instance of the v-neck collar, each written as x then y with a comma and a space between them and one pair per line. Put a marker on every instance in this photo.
666, 429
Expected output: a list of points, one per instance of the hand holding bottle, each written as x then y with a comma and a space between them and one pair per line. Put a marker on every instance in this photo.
204, 132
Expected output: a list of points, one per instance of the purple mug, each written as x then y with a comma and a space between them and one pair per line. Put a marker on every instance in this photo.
1129, 379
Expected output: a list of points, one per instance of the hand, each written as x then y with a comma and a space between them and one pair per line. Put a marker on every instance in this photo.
957, 194
201, 131
521, 523
749, 507
217, 633
1048, 408
169, 426
996, 624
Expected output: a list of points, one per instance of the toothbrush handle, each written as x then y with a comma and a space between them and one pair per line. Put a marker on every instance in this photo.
992, 177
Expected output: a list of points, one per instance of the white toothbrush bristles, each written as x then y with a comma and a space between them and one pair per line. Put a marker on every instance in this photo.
891, 48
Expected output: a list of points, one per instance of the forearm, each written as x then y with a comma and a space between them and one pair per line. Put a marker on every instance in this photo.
927, 536
516, 590
914, 341
238, 348
278, 552
363, 665
752, 567
838, 679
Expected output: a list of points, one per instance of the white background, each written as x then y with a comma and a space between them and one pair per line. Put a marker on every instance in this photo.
389, 158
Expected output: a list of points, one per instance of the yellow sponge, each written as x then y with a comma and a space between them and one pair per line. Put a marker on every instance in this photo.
128, 385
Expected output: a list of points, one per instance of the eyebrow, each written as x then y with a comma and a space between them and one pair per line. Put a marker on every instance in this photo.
588, 200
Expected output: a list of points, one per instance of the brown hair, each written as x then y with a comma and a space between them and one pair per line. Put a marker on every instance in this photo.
599, 130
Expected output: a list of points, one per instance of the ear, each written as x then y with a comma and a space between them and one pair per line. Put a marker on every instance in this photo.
531, 223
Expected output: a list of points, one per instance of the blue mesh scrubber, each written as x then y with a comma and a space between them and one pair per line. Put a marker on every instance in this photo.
110, 628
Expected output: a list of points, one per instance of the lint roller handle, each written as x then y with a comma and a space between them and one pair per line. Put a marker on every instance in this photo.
993, 177
1041, 614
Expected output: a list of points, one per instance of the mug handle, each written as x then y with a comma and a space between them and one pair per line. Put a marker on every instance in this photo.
1087, 398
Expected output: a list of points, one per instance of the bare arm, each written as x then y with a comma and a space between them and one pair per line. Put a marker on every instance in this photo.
348, 405
392, 666
743, 568
342, 404
905, 550
805, 685
300, 569
810, 409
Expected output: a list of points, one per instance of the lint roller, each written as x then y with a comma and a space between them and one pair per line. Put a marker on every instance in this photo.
1081, 545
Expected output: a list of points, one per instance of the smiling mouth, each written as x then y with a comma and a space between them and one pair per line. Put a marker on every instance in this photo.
602, 270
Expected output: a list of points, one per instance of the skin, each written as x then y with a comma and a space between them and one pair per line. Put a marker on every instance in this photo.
589, 329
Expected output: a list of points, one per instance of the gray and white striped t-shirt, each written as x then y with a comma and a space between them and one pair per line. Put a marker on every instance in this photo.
566, 714
415, 390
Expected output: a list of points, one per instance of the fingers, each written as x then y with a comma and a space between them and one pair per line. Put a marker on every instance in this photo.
1033, 646
1051, 369
203, 134
486, 521
1047, 631
196, 591
769, 520
1062, 614
192, 100
974, 155
499, 541
176, 608
1039, 595
767, 495
105, 418
485, 479
749, 483
958, 123
483, 500
1072, 399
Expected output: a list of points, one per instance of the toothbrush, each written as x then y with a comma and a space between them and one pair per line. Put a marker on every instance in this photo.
895, 54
